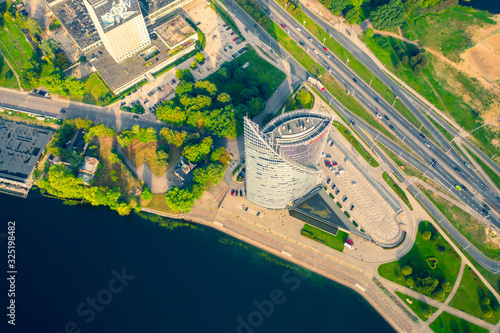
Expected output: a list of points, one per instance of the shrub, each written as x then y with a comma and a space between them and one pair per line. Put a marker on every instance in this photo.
355, 224
409, 281
427, 312
435, 239
441, 248
406, 270
446, 286
193, 64
369, 32
485, 301
427, 235
439, 295
488, 313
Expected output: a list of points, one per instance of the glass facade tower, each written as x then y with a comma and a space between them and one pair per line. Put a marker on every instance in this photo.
281, 159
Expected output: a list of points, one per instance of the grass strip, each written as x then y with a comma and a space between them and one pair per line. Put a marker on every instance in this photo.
447, 323
355, 143
399, 191
335, 242
226, 18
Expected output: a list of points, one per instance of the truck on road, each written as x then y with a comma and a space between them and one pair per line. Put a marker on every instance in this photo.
317, 83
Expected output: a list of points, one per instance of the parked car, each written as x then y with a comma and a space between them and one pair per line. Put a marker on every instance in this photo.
344, 199
335, 164
62, 111
333, 186
328, 180
352, 207
241, 192
337, 191
136, 117
234, 39
173, 81
232, 192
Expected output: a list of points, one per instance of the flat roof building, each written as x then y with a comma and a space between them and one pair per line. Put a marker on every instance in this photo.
120, 25
281, 159
21, 146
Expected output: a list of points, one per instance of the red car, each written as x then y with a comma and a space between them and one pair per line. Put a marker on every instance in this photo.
234, 40
335, 164
324, 48
350, 242
327, 163
283, 26
232, 192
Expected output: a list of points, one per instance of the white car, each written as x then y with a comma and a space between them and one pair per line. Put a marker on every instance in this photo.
379, 116
315, 51
322, 154
298, 29
353, 183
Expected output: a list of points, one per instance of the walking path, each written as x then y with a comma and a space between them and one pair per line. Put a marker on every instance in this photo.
12, 69
392, 286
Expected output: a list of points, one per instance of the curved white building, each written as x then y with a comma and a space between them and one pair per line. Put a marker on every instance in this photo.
281, 159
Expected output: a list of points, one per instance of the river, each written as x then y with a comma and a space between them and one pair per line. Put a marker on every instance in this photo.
493, 6
86, 269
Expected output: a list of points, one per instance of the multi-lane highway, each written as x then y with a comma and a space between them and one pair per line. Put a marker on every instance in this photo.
422, 146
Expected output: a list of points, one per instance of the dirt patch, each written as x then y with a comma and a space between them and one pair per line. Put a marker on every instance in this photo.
484, 57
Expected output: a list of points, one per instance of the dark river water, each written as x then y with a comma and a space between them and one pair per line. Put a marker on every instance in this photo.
86, 269
493, 6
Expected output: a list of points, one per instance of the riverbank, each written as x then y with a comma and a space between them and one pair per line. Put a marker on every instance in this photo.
344, 271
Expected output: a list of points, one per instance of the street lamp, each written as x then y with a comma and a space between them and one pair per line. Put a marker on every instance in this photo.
304, 23
347, 61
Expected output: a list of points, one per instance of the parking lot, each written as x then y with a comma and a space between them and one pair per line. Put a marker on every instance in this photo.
357, 195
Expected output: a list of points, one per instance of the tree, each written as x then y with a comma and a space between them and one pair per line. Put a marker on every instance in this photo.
169, 113
161, 158
174, 137
485, 300
83, 123
33, 26
179, 199
188, 76
193, 64
220, 155
202, 87
126, 137
427, 235
256, 105
388, 16
184, 88
352, 16
224, 74
199, 57
223, 98
445, 285
439, 295
406, 270
304, 97
179, 74
240, 74
62, 183
146, 194
249, 93
100, 131
196, 153
488, 313
409, 281
336, 6
74, 86
427, 312
49, 48
9, 74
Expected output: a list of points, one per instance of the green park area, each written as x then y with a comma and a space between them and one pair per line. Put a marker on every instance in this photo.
430, 268
14, 46
96, 92
356, 144
447, 323
399, 191
474, 298
258, 70
336, 242
421, 309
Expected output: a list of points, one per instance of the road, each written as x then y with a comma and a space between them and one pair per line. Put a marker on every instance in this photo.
449, 166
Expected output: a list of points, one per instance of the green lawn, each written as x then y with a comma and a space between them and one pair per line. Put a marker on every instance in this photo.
449, 32
469, 295
96, 92
448, 261
417, 306
447, 323
355, 143
15, 47
259, 70
4, 82
335, 242
401, 194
